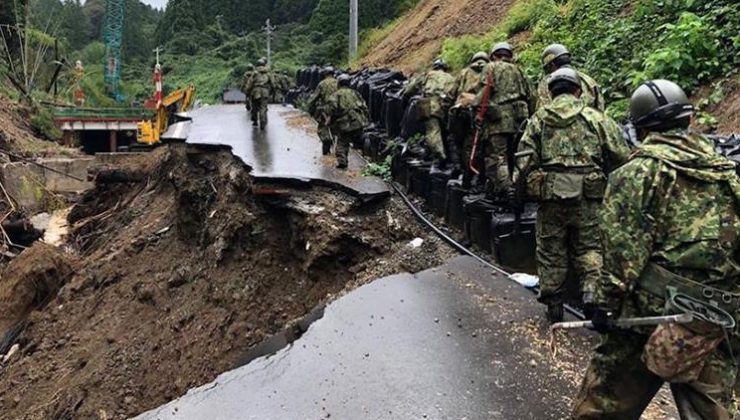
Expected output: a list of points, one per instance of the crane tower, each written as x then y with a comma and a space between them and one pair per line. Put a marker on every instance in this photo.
113, 37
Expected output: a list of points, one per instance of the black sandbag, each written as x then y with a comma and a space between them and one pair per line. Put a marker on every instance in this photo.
438, 190
393, 113
411, 124
454, 207
513, 241
478, 215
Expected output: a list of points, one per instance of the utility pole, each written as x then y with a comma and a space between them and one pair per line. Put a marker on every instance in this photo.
157, 51
353, 28
269, 30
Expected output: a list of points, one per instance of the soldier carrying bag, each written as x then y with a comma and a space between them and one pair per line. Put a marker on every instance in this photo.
566, 184
677, 353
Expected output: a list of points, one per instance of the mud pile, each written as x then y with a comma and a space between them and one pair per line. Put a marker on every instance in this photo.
179, 274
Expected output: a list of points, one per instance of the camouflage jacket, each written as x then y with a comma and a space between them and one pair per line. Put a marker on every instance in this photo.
567, 135
468, 81
676, 204
285, 82
436, 85
509, 103
590, 92
319, 100
246, 80
348, 111
262, 84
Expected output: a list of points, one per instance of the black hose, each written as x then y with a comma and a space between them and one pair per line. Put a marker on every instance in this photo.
461, 249
447, 238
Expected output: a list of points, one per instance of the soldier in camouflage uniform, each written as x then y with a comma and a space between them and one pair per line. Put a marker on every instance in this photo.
557, 56
670, 222
509, 106
460, 121
436, 86
318, 106
246, 79
283, 85
349, 117
261, 89
565, 154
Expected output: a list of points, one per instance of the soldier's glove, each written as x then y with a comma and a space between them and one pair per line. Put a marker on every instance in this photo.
599, 316
602, 320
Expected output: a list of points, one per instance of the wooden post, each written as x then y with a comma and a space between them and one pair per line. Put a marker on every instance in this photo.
69, 138
113, 141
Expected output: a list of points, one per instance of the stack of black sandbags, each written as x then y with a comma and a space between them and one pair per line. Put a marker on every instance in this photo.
513, 240
729, 147
393, 110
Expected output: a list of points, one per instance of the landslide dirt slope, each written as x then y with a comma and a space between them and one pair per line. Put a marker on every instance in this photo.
417, 39
17, 135
180, 275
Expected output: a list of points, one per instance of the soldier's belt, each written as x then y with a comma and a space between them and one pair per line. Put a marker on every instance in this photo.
656, 280
581, 170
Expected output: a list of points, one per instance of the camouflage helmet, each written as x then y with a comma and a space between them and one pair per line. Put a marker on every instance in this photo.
250, 67
440, 64
565, 74
344, 79
502, 47
262, 61
480, 56
553, 52
658, 102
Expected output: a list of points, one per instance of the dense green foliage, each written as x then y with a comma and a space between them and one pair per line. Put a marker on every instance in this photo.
622, 42
206, 42
210, 43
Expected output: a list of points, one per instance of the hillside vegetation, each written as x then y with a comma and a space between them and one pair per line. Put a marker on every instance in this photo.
619, 42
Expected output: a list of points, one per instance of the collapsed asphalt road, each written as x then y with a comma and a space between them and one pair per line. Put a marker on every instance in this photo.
285, 152
180, 275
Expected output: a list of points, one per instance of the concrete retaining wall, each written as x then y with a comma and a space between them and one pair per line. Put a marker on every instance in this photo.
29, 185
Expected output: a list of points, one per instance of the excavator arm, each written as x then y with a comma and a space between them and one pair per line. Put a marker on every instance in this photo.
149, 132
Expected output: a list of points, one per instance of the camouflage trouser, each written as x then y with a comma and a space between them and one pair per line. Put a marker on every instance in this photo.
259, 111
325, 136
344, 142
567, 234
495, 152
435, 139
618, 386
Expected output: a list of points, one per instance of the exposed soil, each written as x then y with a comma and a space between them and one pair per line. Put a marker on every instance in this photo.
17, 135
179, 276
417, 39
727, 111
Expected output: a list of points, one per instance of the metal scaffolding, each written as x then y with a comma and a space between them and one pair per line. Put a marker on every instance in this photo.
113, 38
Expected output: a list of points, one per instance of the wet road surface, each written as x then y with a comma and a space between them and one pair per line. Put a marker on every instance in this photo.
289, 150
442, 344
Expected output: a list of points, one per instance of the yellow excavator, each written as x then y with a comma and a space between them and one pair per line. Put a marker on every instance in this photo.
149, 132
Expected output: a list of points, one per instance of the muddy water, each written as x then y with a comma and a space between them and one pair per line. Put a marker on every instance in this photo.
58, 228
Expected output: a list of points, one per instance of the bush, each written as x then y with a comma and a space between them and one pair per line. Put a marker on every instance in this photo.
688, 54
621, 42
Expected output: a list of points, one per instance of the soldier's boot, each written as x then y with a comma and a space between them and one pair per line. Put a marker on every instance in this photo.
555, 312
342, 150
325, 148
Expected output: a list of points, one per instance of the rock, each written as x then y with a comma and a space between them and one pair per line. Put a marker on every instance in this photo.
178, 278
145, 293
12, 354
